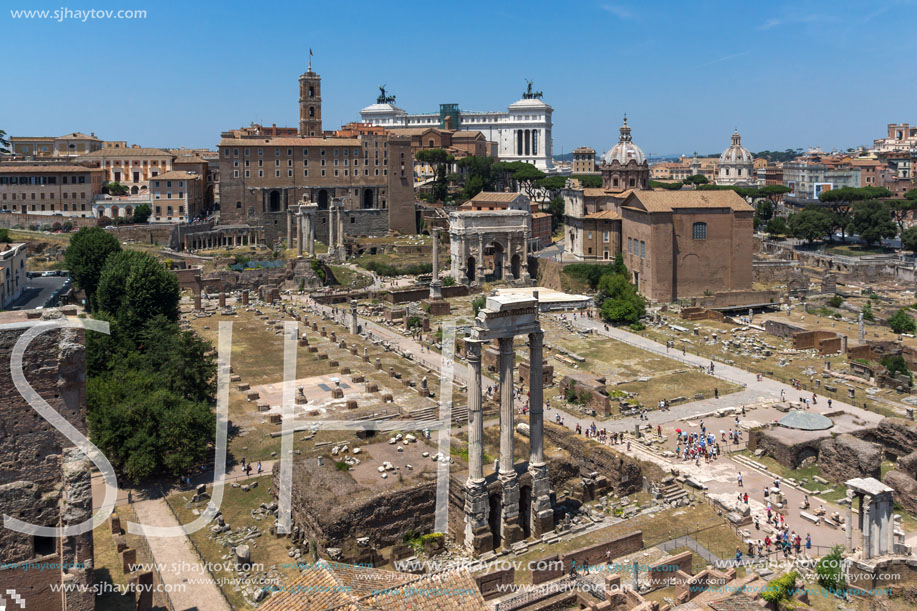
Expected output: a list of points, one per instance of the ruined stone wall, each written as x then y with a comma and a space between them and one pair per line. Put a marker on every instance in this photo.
781, 329
786, 453
896, 435
41, 480
14, 219
624, 474
158, 233
558, 565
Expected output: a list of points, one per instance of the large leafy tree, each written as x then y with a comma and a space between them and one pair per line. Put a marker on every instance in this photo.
589, 181
439, 160
902, 322
527, 177
89, 248
841, 202
619, 298
909, 239
776, 226
696, 179
476, 174
810, 224
142, 213
550, 187
872, 221
4, 142
134, 287
773, 193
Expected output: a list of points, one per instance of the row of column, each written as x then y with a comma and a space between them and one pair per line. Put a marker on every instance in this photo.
478, 537
220, 240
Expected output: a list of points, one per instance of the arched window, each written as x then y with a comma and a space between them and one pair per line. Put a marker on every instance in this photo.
311, 111
311, 92
238, 204
700, 231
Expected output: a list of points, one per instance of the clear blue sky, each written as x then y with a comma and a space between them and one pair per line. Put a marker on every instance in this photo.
787, 74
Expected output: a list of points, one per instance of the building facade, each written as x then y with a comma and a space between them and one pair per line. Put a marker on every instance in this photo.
522, 132
53, 189
808, 179
12, 273
177, 196
459, 144
624, 166
584, 160
73, 144
901, 138
133, 167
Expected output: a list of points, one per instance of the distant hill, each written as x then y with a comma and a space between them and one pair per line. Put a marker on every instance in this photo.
564, 157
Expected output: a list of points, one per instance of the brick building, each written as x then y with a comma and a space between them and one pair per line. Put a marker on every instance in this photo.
261, 175
49, 188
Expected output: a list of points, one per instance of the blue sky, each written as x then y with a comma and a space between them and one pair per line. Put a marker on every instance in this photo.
794, 74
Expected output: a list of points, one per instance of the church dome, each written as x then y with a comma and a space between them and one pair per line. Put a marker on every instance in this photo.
736, 153
625, 150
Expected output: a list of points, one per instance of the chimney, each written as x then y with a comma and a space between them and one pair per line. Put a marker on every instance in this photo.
273, 130
93, 134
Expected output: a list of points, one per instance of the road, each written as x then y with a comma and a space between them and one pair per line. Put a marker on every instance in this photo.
38, 292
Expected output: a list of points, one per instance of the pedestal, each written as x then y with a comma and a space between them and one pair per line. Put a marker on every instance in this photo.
478, 538
436, 289
542, 514
510, 527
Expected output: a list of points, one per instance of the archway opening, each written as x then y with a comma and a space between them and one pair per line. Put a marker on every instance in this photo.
516, 266
274, 201
367, 199
498, 256
323, 200
494, 520
470, 269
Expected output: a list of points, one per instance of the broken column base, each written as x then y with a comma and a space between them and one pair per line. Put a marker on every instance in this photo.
510, 525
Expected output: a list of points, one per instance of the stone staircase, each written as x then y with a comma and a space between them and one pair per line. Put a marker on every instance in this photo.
459, 413
674, 495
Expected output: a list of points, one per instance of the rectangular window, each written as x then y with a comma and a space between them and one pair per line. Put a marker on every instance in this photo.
605, 236
642, 249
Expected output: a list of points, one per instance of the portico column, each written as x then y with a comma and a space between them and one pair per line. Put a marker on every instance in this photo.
290, 229
849, 522
435, 285
300, 241
479, 276
510, 528
524, 258
541, 515
331, 229
478, 538
340, 233
310, 234
864, 513
508, 260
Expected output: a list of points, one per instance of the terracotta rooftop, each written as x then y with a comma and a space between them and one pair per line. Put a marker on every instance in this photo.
176, 175
129, 152
55, 169
496, 197
291, 142
666, 201
342, 587
604, 214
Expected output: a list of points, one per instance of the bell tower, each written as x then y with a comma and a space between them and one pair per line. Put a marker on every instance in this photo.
310, 103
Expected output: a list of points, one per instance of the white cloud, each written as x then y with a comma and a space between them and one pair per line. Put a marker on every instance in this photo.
619, 11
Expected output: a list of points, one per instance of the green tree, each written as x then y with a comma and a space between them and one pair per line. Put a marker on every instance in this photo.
142, 213
810, 224
901, 210
89, 248
872, 221
556, 208
620, 301
5, 235
909, 239
841, 202
135, 287
476, 174
867, 312
901, 322
439, 160
668, 186
589, 181
776, 226
4, 143
764, 210
773, 193
115, 188
550, 187
527, 177
696, 179
830, 571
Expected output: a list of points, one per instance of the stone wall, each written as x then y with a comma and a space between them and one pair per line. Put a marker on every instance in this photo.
491, 583
787, 453
558, 565
846, 457
422, 292
370, 223
663, 573
159, 233
896, 435
624, 474
24, 220
724, 299
781, 329
42, 480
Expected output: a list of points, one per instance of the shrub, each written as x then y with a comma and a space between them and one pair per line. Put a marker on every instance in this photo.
67, 227
413, 322
901, 322
448, 281
830, 571
836, 301
780, 589
5, 235
477, 303
896, 364
867, 312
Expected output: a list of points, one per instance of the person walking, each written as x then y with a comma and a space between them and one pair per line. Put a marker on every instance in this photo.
739, 478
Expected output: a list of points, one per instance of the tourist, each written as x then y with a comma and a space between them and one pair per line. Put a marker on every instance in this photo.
745, 498
767, 543
738, 555
808, 542
740, 479
259, 466
757, 523
829, 404
782, 395
243, 463
716, 393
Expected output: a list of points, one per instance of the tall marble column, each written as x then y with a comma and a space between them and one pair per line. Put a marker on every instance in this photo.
353, 317
508, 260
478, 538
331, 227
479, 276
436, 287
865, 526
300, 241
524, 259
541, 514
510, 528
310, 233
290, 229
848, 524
340, 231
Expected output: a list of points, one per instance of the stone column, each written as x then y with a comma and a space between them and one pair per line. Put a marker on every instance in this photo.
861, 337
353, 316
436, 287
509, 520
508, 260
340, 231
289, 228
300, 240
331, 229
197, 300
524, 258
222, 299
849, 522
864, 524
541, 513
479, 276
478, 538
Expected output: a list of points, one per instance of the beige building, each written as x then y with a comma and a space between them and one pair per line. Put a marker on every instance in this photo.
584, 160
12, 273
73, 144
54, 189
177, 196
132, 167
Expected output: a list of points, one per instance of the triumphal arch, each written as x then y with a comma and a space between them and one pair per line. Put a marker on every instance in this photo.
498, 238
